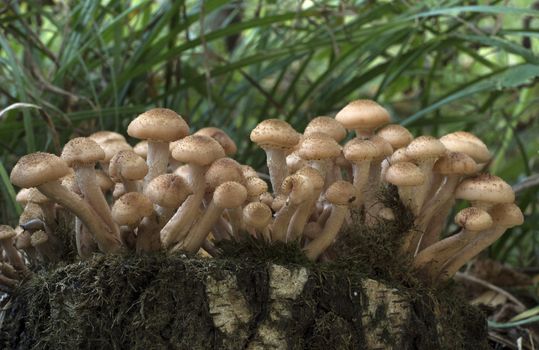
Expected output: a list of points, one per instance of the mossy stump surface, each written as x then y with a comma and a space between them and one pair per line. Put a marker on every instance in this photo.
242, 302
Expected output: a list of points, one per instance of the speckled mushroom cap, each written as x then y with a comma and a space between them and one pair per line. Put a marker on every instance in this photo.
405, 174
473, 219
130, 208
328, 126
362, 114
341, 193
399, 156
425, 147
106, 136
318, 146
167, 190
297, 187
31, 212
485, 188
255, 186
468, 143
358, 150
455, 163
507, 215
141, 148
82, 150
229, 194
6, 232
274, 133
127, 165
223, 170
248, 171
114, 146
314, 176
35, 169
257, 214
397, 136
220, 136
384, 147
38, 238
27, 195
158, 124
198, 149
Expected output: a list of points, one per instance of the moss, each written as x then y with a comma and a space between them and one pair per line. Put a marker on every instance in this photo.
158, 301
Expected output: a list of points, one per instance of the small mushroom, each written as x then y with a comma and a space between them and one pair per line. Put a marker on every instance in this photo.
363, 116
128, 168
7, 235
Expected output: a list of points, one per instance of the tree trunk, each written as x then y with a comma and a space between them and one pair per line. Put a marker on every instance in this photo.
157, 302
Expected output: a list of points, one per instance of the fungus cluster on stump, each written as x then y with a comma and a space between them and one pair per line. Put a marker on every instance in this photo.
176, 191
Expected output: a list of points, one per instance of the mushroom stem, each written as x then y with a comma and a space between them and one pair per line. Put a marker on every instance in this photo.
236, 220
87, 182
276, 160
280, 223
201, 229
361, 172
157, 160
107, 241
422, 190
84, 240
13, 256
329, 233
148, 239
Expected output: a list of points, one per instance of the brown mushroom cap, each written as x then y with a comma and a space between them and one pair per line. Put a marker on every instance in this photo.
468, 143
38, 238
399, 156
248, 171
82, 150
130, 208
384, 148
127, 165
473, 219
425, 147
274, 133
341, 193
112, 147
23, 240
362, 114
35, 169
507, 215
220, 136
297, 187
398, 136
313, 175
255, 186
328, 126
229, 195
317, 146
6, 232
106, 136
357, 150
31, 195
223, 170
485, 188
167, 190
257, 214
405, 174
455, 163
158, 124
198, 149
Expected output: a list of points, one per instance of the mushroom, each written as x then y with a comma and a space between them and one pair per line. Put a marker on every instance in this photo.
319, 150
407, 177
505, 216
326, 125
7, 234
82, 154
43, 170
340, 194
360, 153
111, 148
220, 136
363, 116
275, 137
255, 188
467, 143
198, 152
167, 192
227, 195
299, 189
257, 217
473, 221
397, 136
32, 195
141, 148
129, 210
158, 126
128, 168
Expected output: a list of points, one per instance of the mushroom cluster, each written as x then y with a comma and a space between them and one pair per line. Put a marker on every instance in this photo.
176, 191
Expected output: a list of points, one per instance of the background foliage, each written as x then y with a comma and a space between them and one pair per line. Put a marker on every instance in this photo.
73, 67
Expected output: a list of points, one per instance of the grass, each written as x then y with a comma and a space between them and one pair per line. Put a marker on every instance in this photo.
70, 68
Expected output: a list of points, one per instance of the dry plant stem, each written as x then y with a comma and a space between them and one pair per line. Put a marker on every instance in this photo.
13, 255
83, 239
443, 250
87, 182
276, 160
157, 160
201, 229
104, 236
281, 220
180, 223
447, 270
329, 233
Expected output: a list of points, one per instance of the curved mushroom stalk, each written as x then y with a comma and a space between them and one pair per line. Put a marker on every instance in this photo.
84, 241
